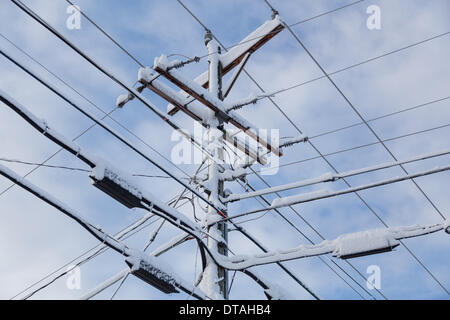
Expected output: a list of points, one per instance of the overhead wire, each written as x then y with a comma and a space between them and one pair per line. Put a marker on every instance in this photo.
378, 138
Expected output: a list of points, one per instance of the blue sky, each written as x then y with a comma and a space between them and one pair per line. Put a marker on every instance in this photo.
36, 239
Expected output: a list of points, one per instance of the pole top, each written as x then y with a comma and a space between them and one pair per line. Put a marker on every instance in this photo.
208, 37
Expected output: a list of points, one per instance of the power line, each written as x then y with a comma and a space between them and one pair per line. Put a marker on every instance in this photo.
363, 146
254, 81
43, 165
135, 93
387, 149
106, 34
290, 223
55, 153
31, 13
359, 63
381, 117
248, 75
352, 106
256, 38
296, 127
95, 254
74, 168
90, 102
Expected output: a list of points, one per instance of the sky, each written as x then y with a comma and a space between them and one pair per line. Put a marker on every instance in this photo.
36, 239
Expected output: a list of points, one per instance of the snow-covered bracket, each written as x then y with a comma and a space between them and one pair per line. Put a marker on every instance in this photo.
194, 109
197, 89
216, 105
239, 53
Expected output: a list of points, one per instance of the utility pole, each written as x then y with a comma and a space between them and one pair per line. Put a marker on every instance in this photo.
216, 185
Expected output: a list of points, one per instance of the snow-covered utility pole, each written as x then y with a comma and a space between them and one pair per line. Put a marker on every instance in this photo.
203, 99
213, 274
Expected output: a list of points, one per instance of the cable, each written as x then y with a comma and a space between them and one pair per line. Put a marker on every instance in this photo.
299, 130
97, 253
259, 37
301, 233
362, 146
106, 34
137, 95
380, 117
276, 92
54, 154
245, 72
357, 194
89, 101
43, 165
226, 49
351, 105
290, 223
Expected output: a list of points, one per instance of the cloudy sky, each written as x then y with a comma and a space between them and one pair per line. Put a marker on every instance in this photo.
36, 240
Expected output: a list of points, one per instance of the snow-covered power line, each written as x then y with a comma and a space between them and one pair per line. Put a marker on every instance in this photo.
322, 194
346, 246
246, 234
296, 228
128, 193
141, 264
107, 114
111, 131
131, 90
334, 169
117, 184
330, 177
105, 33
363, 62
356, 111
124, 189
97, 251
371, 209
411, 134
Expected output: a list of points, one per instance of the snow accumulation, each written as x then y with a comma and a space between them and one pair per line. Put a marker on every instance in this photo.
303, 197
121, 177
231, 175
146, 75
165, 64
123, 99
363, 242
154, 266
249, 41
103, 169
228, 57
